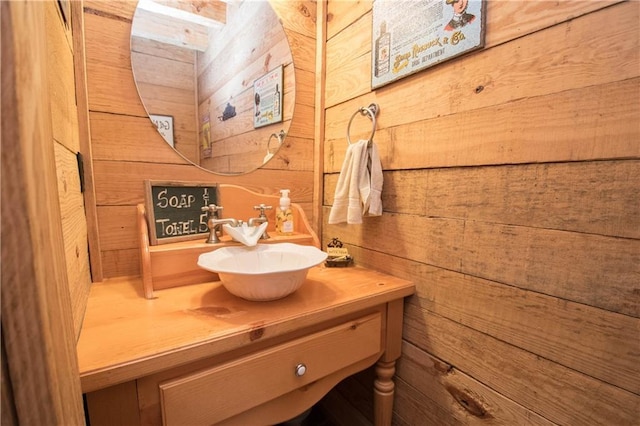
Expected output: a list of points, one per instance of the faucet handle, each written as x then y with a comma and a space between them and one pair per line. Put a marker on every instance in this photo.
212, 209
262, 208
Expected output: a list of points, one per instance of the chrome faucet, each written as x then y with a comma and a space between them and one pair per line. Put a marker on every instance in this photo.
214, 222
262, 218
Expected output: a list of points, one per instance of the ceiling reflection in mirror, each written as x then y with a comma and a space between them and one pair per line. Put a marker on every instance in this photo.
216, 79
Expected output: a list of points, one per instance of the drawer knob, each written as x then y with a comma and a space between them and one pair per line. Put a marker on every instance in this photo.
301, 369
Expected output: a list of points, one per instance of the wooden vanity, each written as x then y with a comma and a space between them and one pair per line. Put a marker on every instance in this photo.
173, 347
199, 355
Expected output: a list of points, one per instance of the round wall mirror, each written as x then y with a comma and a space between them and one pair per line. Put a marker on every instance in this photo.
216, 79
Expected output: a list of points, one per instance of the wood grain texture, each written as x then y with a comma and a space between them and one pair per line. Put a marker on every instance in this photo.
430, 389
511, 198
84, 134
561, 326
64, 119
483, 357
127, 149
353, 78
194, 322
567, 126
183, 402
166, 80
74, 231
37, 321
102, 405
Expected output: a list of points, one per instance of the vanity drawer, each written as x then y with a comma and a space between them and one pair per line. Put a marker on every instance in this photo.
215, 394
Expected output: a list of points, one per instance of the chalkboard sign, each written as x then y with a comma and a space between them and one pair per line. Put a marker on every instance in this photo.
174, 210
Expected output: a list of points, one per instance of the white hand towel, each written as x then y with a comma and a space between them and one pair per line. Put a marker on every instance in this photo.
359, 185
373, 202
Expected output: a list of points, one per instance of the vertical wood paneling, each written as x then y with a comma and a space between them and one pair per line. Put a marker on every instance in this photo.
84, 132
64, 119
40, 369
514, 208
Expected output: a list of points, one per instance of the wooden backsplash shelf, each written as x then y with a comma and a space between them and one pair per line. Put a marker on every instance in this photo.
175, 264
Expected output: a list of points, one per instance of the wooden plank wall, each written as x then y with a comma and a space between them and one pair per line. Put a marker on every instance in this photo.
126, 149
226, 73
40, 382
154, 63
66, 143
512, 199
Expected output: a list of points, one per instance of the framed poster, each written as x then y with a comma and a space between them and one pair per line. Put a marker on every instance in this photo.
409, 36
164, 123
267, 98
205, 140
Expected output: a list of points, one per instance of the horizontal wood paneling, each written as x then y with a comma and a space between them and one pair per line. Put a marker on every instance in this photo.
586, 339
554, 195
525, 57
569, 265
114, 187
449, 391
170, 92
539, 129
511, 198
121, 98
61, 83
555, 392
127, 149
560, 327
532, 64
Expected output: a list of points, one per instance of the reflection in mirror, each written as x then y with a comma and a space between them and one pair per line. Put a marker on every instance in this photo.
216, 77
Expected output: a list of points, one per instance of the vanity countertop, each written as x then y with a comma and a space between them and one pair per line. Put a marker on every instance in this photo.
125, 336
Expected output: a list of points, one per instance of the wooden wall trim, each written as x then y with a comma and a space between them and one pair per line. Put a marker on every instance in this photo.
37, 323
84, 127
318, 150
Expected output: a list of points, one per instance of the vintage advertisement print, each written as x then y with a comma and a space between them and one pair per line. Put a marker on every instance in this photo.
267, 96
411, 35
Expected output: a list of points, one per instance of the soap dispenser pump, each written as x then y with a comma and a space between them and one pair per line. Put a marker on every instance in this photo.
284, 214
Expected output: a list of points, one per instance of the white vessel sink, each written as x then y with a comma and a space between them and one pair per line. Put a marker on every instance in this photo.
262, 272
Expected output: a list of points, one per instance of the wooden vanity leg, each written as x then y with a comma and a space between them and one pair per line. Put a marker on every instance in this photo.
383, 386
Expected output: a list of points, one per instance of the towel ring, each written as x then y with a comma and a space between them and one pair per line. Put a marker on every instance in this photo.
280, 136
372, 110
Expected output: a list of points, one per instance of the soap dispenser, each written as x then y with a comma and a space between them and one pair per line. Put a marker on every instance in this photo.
284, 214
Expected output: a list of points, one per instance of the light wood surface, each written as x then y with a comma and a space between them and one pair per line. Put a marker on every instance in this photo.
175, 264
510, 196
256, 379
84, 135
125, 336
188, 340
40, 383
65, 139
